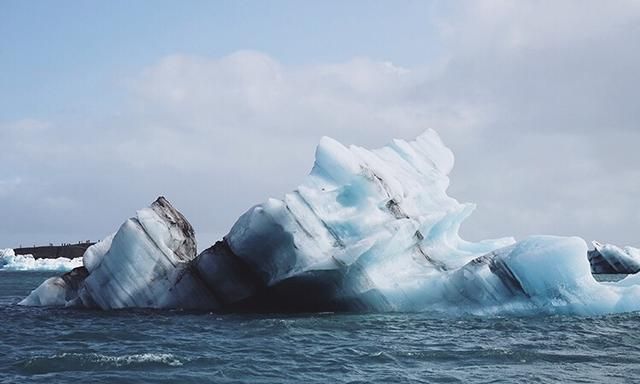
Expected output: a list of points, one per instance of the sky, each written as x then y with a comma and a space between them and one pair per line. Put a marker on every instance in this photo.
218, 105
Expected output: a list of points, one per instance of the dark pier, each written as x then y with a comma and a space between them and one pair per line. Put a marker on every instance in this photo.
70, 251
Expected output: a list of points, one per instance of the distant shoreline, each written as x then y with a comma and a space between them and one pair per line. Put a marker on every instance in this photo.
70, 251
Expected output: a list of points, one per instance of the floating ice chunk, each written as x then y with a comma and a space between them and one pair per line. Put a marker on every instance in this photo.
58, 291
608, 258
541, 274
366, 230
143, 265
9, 261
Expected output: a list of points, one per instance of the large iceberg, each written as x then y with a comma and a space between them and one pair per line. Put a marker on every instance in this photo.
367, 230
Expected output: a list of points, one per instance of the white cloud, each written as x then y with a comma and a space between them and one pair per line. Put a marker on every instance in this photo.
538, 100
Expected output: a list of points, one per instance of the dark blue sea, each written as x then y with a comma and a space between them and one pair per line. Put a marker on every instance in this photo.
46, 345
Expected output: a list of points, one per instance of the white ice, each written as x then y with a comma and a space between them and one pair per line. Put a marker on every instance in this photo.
141, 264
366, 230
9, 261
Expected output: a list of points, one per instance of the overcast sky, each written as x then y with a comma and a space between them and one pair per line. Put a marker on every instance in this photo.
219, 105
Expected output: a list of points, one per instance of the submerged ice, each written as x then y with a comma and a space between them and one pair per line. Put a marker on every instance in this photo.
370, 230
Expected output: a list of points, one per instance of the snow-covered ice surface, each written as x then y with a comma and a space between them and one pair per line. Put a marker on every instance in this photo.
370, 230
9, 261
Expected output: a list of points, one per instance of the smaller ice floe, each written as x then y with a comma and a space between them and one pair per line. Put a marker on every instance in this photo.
9, 261
608, 258
58, 290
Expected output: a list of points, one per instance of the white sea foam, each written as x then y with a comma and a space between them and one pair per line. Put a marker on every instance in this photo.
9, 261
162, 358
122, 360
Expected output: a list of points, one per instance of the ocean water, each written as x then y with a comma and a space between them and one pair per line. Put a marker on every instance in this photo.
45, 345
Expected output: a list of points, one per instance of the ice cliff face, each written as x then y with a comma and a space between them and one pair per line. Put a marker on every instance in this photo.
366, 230
141, 266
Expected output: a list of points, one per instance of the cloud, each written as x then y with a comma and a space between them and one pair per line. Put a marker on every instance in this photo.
561, 123
538, 100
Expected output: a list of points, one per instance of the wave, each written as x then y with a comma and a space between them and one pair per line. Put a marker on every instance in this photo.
9, 261
119, 361
95, 361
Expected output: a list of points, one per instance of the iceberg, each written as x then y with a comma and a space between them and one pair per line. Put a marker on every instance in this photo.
140, 266
58, 290
608, 258
9, 261
366, 230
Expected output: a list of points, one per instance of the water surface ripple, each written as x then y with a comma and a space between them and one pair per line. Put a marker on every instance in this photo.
45, 345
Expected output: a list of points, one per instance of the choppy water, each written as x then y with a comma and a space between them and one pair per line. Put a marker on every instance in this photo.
56, 345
